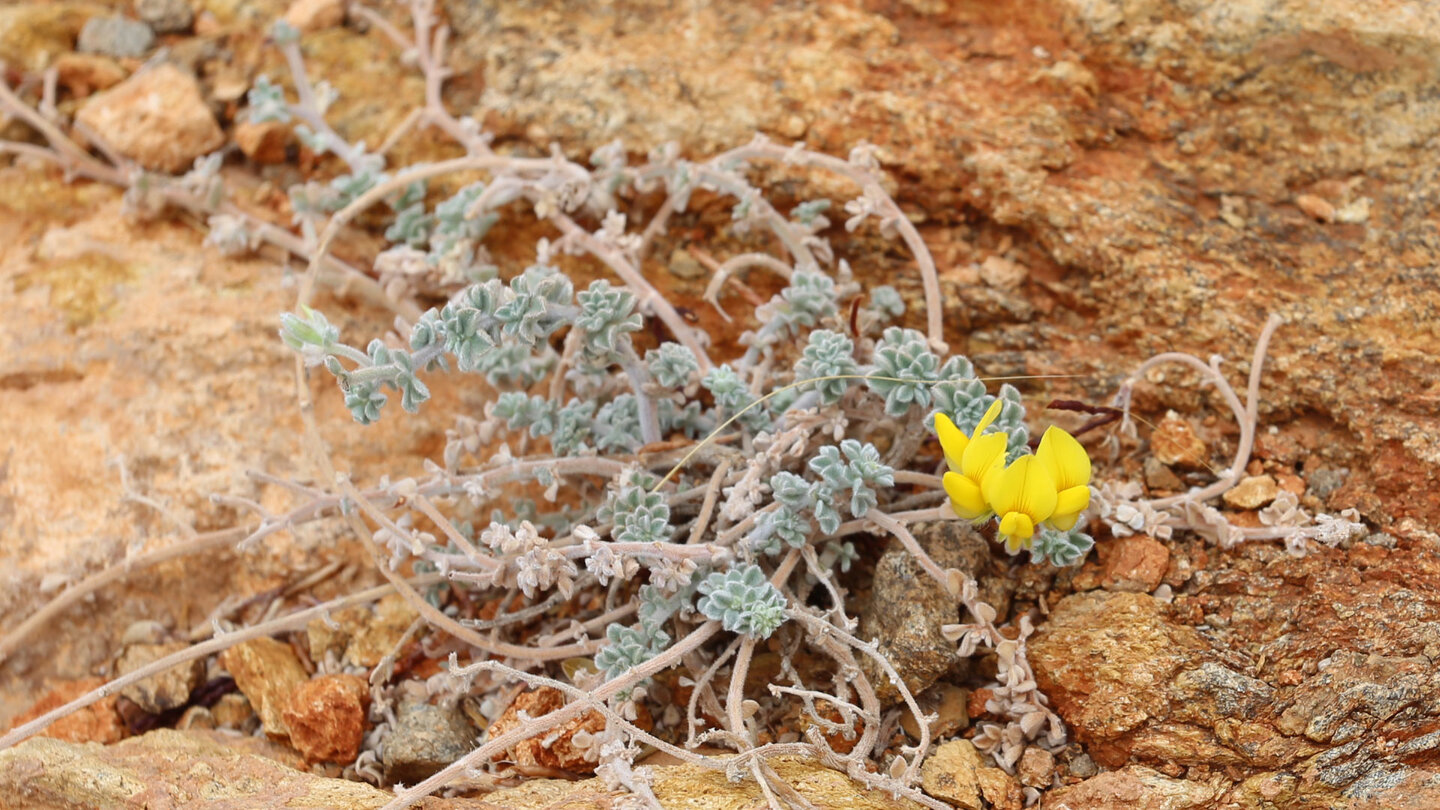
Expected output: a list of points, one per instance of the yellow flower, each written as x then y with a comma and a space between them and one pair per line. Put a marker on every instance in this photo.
971, 459
954, 441
1069, 466
1023, 495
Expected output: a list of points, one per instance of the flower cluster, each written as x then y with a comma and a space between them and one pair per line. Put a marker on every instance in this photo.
1049, 488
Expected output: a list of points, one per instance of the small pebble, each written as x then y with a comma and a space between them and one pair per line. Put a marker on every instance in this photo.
1354, 212
683, 265
907, 608
115, 36
976, 704
326, 717
315, 15
424, 740
157, 118
165, 690
1036, 767
1159, 478
165, 16
1325, 480
793, 127
951, 705
265, 142
1291, 483
952, 773
1174, 442
196, 717
1136, 564
1002, 273
1082, 766
1252, 492
233, 711
85, 73
1317, 208
1381, 539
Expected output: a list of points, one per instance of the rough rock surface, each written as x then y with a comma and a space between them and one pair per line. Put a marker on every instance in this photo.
98, 722
1133, 788
96, 304
1136, 563
116, 36
907, 607
213, 771
165, 16
953, 773
557, 748
268, 673
33, 35
691, 786
206, 771
156, 118
315, 15
326, 718
361, 636
1315, 666
424, 739
166, 690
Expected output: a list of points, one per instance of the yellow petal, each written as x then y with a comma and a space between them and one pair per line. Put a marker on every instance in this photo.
990, 414
1064, 457
1072, 501
983, 455
1016, 527
1025, 487
952, 440
965, 497
1064, 522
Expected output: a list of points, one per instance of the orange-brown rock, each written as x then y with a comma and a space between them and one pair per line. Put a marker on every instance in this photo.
214, 771
85, 73
1317, 208
1136, 563
1252, 492
326, 718
99, 722
1175, 444
264, 142
1134, 788
268, 673
33, 35
557, 749
315, 15
156, 118
952, 773
975, 704
233, 711
1096, 651
1036, 767
163, 690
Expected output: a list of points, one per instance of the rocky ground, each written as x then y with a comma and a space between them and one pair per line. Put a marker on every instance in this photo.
1100, 180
